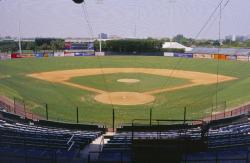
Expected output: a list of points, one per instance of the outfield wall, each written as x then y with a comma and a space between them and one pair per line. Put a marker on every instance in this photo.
202, 56
78, 53
7, 56
223, 57
109, 53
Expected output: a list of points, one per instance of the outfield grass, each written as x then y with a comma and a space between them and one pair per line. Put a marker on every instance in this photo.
147, 82
63, 100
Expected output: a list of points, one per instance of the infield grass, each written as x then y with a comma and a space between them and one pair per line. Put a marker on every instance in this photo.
147, 82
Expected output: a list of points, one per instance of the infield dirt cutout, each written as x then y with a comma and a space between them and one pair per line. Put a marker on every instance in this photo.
130, 98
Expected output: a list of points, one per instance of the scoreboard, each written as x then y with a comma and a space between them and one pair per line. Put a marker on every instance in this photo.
79, 46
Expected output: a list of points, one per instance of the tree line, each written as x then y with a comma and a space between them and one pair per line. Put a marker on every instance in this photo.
37, 45
131, 45
210, 43
124, 45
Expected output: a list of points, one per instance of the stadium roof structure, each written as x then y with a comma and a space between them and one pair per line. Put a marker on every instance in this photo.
175, 45
228, 51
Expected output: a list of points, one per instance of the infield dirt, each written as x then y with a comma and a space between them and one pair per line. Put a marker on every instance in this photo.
130, 98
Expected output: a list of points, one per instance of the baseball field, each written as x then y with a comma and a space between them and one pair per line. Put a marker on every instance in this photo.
132, 85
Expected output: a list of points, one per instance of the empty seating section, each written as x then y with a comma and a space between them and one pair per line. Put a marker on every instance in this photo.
119, 147
124, 139
21, 141
44, 137
48, 141
226, 144
120, 141
231, 142
232, 135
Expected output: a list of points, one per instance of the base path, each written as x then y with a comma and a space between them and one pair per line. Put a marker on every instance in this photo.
130, 98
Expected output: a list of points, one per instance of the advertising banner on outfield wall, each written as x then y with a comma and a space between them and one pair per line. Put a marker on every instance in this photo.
50, 54
220, 56
231, 57
87, 54
4, 56
99, 53
58, 54
15, 55
83, 54
69, 54
39, 55
168, 54
28, 55
242, 58
183, 55
78, 54
202, 56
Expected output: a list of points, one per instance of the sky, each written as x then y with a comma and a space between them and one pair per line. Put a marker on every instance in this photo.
125, 18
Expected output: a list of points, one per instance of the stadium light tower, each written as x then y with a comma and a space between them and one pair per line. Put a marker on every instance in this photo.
100, 42
19, 30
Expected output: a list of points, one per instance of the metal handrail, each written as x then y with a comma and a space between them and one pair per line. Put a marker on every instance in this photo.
71, 139
72, 144
101, 144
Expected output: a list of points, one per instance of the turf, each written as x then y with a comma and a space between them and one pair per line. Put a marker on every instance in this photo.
62, 100
148, 82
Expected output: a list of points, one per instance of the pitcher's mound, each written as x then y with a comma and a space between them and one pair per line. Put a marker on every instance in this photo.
128, 80
124, 98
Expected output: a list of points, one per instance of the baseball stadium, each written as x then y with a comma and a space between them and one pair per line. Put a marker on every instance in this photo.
124, 99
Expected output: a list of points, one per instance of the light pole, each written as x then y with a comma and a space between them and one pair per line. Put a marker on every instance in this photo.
100, 42
19, 30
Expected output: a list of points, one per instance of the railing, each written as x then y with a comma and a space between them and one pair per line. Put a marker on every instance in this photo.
70, 142
226, 114
101, 144
17, 108
71, 139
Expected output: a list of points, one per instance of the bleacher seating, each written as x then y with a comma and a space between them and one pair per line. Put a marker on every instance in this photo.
22, 140
30, 135
232, 135
120, 146
229, 143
